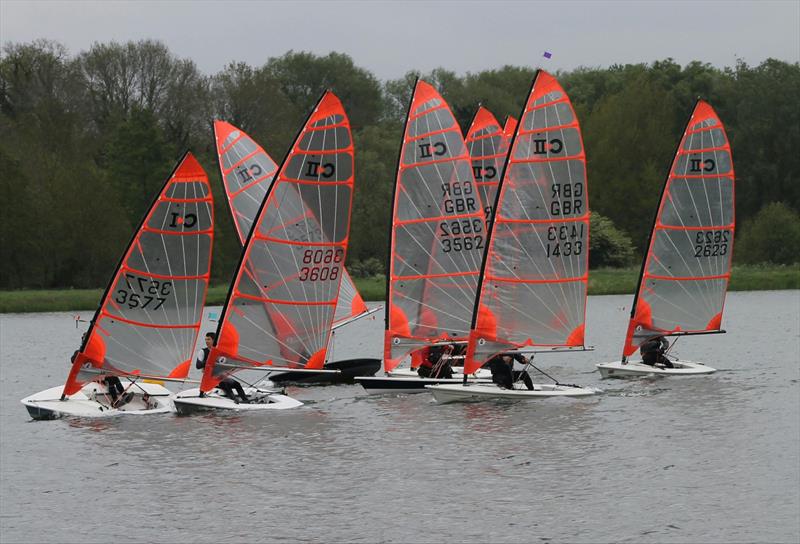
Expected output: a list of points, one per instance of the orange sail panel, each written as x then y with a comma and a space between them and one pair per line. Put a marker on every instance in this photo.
281, 304
247, 173
150, 315
438, 232
688, 262
534, 278
487, 143
509, 128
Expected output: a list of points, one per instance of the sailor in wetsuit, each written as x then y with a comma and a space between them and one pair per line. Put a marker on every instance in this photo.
436, 362
654, 352
115, 389
112, 383
227, 384
503, 373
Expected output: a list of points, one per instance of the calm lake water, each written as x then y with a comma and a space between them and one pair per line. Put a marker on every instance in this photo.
706, 459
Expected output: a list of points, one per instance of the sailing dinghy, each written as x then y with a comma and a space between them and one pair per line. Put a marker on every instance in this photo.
685, 273
282, 301
532, 285
436, 242
145, 329
247, 173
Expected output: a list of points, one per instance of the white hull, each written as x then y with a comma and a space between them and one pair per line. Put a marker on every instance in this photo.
474, 392
190, 402
93, 401
633, 369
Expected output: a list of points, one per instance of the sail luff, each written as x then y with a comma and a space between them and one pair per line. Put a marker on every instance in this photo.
532, 287
686, 270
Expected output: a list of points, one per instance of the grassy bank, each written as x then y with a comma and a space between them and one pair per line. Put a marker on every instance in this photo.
604, 281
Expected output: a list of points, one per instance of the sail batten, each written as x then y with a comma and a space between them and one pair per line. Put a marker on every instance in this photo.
284, 295
686, 270
532, 289
150, 314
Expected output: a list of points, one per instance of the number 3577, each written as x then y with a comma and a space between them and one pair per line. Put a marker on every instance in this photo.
143, 293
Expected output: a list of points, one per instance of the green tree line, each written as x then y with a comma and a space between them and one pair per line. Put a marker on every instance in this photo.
88, 139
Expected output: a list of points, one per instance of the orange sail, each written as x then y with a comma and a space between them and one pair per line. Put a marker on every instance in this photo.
686, 270
150, 315
438, 232
532, 289
487, 143
247, 174
282, 301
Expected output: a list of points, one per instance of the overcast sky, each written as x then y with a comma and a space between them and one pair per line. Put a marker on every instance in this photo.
390, 38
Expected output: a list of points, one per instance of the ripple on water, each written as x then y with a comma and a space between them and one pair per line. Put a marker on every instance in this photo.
650, 460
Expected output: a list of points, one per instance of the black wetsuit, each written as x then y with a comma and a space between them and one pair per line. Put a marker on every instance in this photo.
115, 388
433, 366
653, 352
228, 385
503, 373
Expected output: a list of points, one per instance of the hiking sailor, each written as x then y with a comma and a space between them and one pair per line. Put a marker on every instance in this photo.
654, 352
504, 373
112, 383
227, 384
436, 362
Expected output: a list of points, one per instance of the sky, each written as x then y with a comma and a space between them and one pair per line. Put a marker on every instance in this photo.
392, 38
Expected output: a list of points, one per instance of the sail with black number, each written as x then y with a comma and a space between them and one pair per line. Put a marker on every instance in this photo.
687, 267
438, 232
532, 289
487, 143
282, 301
247, 173
150, 315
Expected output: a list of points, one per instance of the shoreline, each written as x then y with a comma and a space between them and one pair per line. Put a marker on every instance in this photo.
603, 281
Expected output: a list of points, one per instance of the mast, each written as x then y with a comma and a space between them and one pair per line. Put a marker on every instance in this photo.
387, 313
